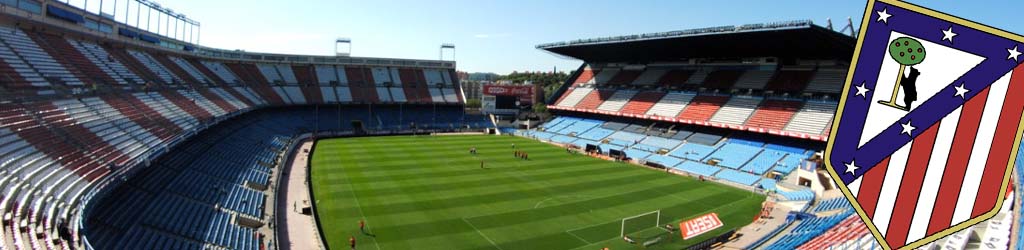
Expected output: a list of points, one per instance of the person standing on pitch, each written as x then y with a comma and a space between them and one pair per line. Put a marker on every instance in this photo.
362, 226
481, 164
352, 242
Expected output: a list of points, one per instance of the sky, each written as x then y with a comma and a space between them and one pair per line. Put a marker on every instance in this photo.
500, 36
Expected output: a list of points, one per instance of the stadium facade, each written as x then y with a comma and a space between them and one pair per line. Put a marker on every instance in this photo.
747, 105
117, 137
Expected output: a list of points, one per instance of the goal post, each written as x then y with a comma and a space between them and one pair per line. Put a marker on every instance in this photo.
640, 222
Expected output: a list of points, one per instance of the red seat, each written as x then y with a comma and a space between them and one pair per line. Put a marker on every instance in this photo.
594, 99
701, 108
774, 114
642, 101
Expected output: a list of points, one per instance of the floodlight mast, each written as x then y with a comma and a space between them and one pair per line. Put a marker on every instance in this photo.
343, 40
446, 46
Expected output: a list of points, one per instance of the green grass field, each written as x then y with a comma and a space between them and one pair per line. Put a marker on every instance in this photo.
428, 192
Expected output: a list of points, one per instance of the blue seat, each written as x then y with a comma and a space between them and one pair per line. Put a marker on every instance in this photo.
764, 161
733, 155
738, 177
595, 134
627, 136
661, 143
693, 151
808, 229
664, 160
636, 153
697, 168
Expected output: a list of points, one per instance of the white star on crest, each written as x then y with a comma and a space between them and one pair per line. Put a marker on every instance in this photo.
960, 91
948, 34
883, 16
1013, 53
852, 167
908, 129
862, 91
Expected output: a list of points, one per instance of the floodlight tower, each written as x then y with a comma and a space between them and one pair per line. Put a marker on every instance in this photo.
448, 46
343, 43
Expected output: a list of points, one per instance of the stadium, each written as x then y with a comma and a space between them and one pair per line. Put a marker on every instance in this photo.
116, 137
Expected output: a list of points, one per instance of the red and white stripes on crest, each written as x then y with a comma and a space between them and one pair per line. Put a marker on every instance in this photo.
951, 172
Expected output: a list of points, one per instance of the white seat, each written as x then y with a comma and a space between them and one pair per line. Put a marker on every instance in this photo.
737, 110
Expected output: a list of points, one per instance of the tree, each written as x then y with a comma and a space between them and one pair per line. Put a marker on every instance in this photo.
547, 80
907, 52
540, 108
473, 103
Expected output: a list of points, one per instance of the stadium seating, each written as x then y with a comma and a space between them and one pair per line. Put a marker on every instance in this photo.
704, 100
194, 138
1018, 200
721, 79
77, 64
642, 102
664, 160
734, 155
738, 177
595, 134
754, 79
697, 168
798, 195
698, 76
671, 104
190, 70
812, 118
32, 64
764, 161
629, 137
617, 100
704, 138
661, 143
595, 98
217, 173
586, 76
845, 235
807, 229
736, 111
152, 65
827, 81
702, 107
579, 127
677, 77
773, 114
832, 204
649, 77
221, 71
270, 73
176, 70
790, 80
99, 57
624, 77
615, 125
693, 151
604, 75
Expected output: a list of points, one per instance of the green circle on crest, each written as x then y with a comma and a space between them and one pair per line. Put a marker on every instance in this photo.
907, 51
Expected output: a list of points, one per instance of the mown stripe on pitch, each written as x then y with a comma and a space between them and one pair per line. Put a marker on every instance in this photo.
428, 229
477, 199
486, 179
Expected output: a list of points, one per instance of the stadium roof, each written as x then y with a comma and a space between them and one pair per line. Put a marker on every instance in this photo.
800, 39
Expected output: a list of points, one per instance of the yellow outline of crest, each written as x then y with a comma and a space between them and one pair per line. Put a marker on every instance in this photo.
868, 11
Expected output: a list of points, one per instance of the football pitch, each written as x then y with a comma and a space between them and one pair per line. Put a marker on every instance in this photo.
429, 192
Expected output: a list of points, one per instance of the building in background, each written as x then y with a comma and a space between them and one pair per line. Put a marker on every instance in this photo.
508, 99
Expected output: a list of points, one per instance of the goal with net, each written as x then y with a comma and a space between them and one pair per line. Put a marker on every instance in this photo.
640, 222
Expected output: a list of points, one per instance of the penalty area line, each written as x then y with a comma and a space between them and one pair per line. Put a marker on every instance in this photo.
578, 237
481, 234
